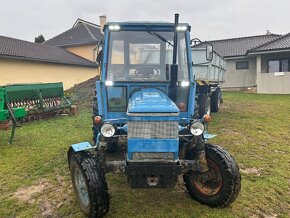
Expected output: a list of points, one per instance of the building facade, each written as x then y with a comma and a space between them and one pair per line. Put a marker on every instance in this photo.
258, 63
69, 57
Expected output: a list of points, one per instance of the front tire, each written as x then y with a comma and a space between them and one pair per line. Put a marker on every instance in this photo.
89, 184
220, 185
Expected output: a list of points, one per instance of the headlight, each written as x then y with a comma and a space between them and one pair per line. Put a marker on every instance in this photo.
108, 130
196, 128
114, 27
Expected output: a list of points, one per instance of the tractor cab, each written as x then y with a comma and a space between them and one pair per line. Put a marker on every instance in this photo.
139, 56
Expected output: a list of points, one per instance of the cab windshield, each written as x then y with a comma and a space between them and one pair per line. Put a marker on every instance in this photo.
145, 56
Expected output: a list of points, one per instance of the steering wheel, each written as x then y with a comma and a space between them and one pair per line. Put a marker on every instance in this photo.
147, 71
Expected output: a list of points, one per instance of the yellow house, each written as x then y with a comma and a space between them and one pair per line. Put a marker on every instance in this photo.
82, 39
68, 57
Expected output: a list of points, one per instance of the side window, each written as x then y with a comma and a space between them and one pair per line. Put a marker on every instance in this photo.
117, 99
116, 70
242, 65
182, 98
182, 59
117, 55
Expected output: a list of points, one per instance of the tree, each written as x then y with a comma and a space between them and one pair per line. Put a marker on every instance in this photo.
39, 39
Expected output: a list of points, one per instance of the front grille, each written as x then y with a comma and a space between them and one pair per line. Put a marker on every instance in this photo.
153, 129
153, 156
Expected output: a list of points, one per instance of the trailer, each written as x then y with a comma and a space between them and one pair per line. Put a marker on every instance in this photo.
208, 76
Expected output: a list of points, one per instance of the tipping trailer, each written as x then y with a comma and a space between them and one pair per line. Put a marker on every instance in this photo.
148, 102
209, 76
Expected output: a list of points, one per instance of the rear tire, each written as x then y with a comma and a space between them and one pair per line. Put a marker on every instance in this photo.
89, 184
216, 99
220, 185
204, 105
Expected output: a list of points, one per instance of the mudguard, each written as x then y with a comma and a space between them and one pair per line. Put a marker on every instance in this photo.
81, 146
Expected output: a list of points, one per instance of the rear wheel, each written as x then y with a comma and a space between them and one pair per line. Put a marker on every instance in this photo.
89, 184
220, 185
216, 99
204, 105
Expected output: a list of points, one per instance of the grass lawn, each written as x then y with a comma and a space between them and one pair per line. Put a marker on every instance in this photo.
255, 129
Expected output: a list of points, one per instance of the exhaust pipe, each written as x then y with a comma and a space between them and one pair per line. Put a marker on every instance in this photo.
174, 67
175, 39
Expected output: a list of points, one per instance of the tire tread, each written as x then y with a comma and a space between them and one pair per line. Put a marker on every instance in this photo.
232, 187
97, 185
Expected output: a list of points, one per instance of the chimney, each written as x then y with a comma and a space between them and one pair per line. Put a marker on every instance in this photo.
103, 21
268, 32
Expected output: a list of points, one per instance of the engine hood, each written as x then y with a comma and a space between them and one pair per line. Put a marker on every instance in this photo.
151, 100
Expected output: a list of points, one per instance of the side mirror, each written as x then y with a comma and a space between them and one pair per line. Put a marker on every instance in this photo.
100, 58
209, 53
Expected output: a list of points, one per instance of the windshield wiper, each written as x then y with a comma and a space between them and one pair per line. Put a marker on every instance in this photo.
160, 37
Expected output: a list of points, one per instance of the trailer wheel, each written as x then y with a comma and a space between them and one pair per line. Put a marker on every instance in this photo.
89, 184
221, 184
204, 105
216, 99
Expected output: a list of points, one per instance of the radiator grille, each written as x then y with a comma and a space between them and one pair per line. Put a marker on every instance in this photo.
153, 156
153, 130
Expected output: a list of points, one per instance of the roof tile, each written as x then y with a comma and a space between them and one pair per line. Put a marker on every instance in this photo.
15, 48
80, 34
280, 43
239, 46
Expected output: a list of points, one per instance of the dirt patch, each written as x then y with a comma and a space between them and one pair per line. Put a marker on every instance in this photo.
255, 171
48, 196
82, 94
263, 215
28, 194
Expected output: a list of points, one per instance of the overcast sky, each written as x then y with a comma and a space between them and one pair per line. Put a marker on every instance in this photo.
210, 19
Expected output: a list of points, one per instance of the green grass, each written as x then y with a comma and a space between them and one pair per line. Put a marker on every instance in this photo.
254, 128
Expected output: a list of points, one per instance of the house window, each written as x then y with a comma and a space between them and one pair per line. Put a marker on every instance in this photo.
242, 65
281, 65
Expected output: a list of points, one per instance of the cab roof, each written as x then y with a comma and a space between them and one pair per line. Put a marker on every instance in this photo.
156, 26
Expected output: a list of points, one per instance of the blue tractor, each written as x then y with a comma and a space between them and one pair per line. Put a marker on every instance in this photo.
145, 101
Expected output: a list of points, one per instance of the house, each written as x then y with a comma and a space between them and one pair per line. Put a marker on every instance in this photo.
82, 39
260, 63
27, 62
69, 57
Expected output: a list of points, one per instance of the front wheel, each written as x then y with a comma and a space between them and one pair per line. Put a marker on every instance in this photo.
89, 184
221, 184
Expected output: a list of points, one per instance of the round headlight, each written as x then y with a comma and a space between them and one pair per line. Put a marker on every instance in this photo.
196, 128
108, 130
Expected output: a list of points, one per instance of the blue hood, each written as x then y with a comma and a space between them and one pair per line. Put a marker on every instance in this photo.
151, 100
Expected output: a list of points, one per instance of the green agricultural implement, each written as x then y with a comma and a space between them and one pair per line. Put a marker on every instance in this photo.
29, 102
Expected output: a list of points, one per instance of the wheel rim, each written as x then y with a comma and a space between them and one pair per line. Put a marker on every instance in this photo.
81, 187
208, 183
